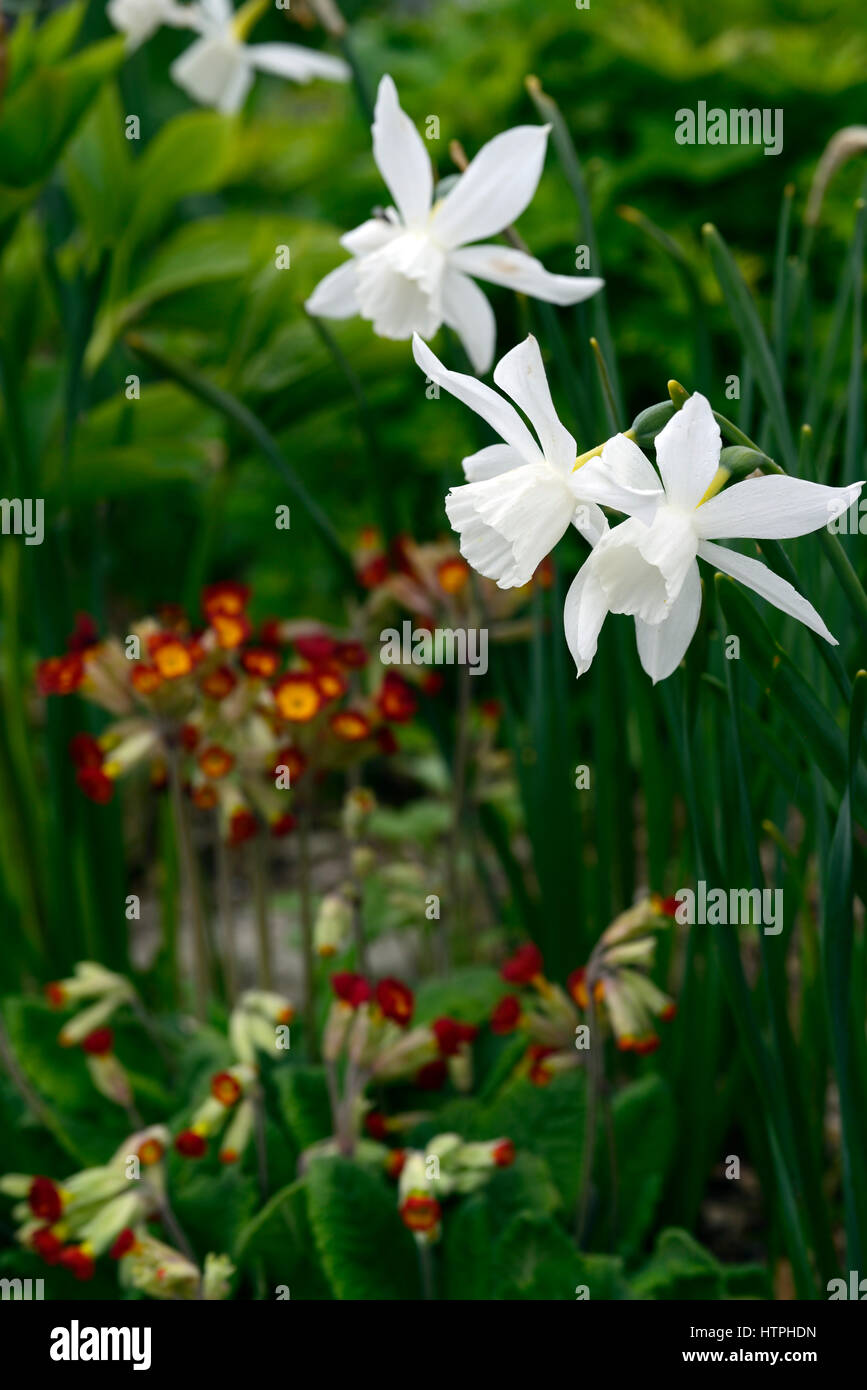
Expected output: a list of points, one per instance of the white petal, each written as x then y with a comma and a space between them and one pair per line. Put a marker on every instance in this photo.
631, 583
590, 521
490, 462
521, 374
369, 236
766, 584
773, 508
467, 311
687, 451
494, 189
503, 265
217, 14
508, 524
662, 646
584, 612
214, 72
401, 156
334, 297
500, 415
670, 543
297, 63
621, 478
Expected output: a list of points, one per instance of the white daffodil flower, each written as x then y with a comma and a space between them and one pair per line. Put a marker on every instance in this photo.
217, 70
137, 20
520, 496
647, 566
410, 267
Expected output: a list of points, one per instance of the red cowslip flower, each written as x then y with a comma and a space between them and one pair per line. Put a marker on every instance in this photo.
55, 994
232, 629
351, 654
539, 1074
350, 726
524, 966
491, 711
216, 762
432, 1076
95, 784
399, 553
84, 750
396, 700
172, 656
145, 679
396, 1001
315, 647
189, 736
282, 825
643, 1046
419, 1212
394, 1163
330, 681
504, 1154
373, 572
376, 1125
225, 1088
271, 632
83, 635
242, 826
98, 1043
227, 597
189, 1144
453, 574
47, 1245
150, 1152
204, 796
124, 1242
577, 987
219, 683
669, 1012
60, 675
297, 697
386, 741
506, 1015
172, 616
293, 760
351, 989
77, 1261
666, 906
44, 1200
451, 1034
261, 662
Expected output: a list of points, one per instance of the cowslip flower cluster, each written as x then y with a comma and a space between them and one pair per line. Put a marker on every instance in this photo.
105, 1211
447, 1166
522, 495
103, 992
413, 266
242, 715
614, 988
258, 1024
219, 67
368, 1031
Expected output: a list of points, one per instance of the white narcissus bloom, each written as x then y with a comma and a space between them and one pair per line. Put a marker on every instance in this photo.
520, 496
217, 70
647, 566
139, 19
411, 267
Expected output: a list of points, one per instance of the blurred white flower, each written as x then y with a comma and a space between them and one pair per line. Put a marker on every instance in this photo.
647, 566
217, 70
139, 19
520, 496
410, 266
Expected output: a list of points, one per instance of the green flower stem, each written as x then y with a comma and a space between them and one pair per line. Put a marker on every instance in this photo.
190, 879
259, 877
